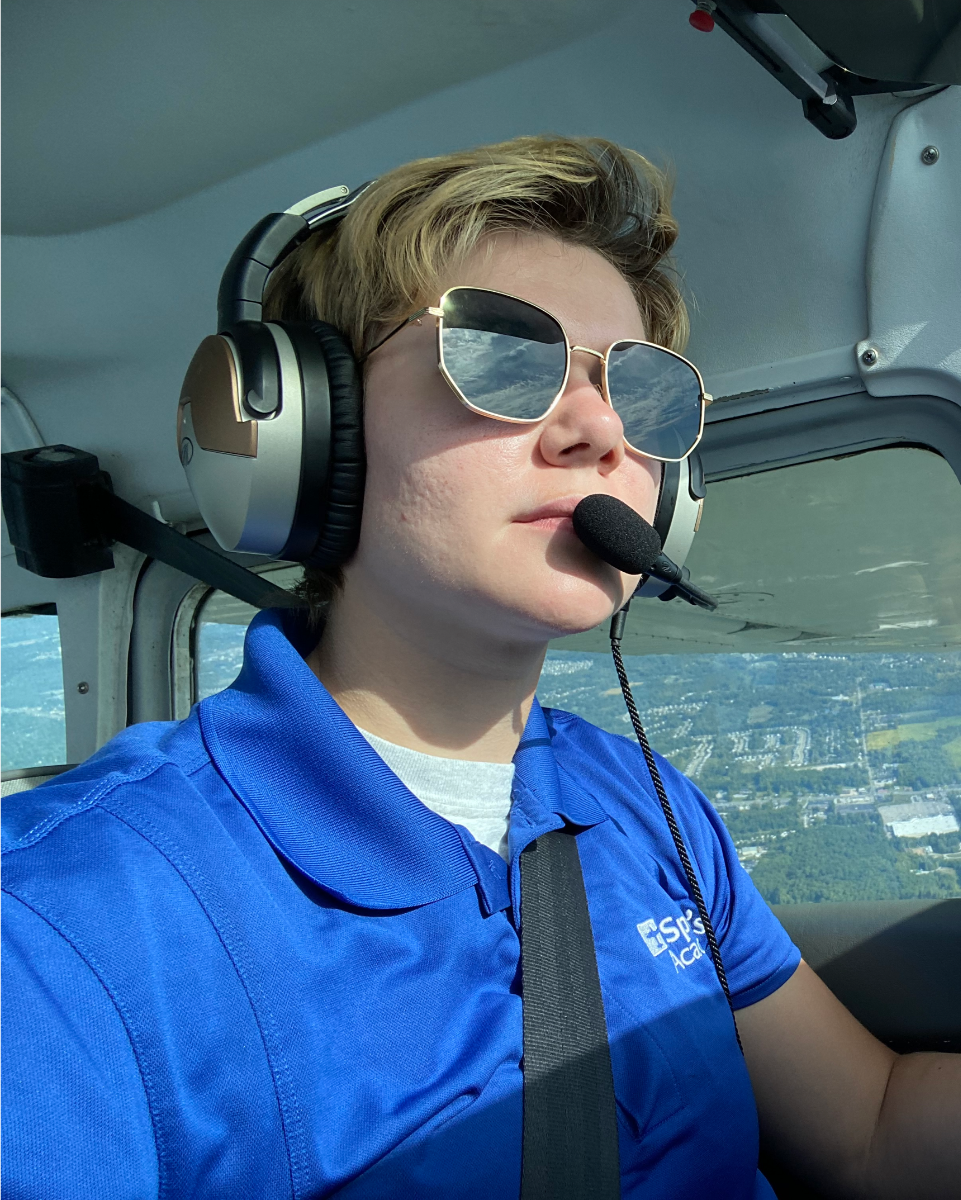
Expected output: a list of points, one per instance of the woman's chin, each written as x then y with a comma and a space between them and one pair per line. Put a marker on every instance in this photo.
567, 628
572, 610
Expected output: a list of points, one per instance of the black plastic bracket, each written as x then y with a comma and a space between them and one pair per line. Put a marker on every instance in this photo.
63, 518
826, 102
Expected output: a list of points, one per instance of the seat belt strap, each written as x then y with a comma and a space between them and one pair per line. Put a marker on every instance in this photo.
570, 1120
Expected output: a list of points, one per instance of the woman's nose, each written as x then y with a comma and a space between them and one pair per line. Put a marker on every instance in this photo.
583, 429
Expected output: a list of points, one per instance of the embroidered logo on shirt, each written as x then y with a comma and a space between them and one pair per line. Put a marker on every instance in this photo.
661, 935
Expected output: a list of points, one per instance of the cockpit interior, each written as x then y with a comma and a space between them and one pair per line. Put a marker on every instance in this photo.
815, 153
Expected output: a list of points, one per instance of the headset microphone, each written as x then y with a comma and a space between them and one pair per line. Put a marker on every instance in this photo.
669, 572
621, 537
616, 534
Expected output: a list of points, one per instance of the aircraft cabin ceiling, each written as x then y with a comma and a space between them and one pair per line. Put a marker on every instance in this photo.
115, 109
143, 140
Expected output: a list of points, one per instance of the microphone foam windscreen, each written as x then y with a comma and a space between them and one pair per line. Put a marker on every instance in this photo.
616, 533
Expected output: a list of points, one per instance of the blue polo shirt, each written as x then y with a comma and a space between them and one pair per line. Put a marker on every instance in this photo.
243, 960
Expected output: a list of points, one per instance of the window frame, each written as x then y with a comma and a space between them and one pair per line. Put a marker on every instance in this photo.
742, 437
167, 606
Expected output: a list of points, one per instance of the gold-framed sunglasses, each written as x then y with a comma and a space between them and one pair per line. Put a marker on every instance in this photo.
510, 360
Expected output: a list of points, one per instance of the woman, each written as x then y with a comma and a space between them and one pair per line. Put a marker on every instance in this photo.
273, 950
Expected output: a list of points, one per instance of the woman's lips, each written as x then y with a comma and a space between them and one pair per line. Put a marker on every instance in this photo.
556, 514
550, 523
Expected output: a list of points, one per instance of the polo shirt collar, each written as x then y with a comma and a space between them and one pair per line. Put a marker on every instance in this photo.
330, 805
544, 796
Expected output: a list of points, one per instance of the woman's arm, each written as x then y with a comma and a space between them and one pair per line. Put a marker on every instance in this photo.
842, 1110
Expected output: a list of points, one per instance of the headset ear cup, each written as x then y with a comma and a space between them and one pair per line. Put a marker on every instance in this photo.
667, 499
340, 517
677, 515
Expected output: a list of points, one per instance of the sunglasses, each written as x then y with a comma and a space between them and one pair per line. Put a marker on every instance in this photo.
510, 360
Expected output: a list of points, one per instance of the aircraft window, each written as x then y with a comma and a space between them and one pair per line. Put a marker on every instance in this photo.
830, 739
34, 729
220, 625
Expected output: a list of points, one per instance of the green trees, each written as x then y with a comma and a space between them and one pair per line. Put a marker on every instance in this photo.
924, 764
751, 822
839, 862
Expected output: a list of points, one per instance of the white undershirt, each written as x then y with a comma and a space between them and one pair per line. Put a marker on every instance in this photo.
476, 795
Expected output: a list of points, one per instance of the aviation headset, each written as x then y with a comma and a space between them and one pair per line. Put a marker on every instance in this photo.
270, 420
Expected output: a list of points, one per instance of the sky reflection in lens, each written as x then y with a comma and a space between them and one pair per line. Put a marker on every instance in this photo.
507, 375
657, 397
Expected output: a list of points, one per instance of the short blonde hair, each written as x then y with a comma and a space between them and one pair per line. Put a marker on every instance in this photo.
387, 257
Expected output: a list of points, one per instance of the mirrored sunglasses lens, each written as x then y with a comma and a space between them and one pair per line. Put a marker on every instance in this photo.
505, 356
657, 397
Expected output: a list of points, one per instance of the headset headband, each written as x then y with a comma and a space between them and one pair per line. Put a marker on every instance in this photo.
241, 295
